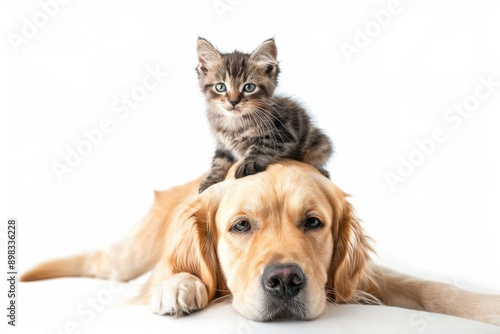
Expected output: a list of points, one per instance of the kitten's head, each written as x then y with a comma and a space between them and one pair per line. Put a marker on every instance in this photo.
237, 83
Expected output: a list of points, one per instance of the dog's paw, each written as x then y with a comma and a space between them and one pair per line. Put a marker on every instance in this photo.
250, 167
179, 294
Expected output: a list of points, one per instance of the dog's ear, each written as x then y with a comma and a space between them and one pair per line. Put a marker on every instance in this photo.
194, 249
351, 249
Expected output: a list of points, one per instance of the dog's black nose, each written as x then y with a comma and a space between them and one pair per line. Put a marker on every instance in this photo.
283, 280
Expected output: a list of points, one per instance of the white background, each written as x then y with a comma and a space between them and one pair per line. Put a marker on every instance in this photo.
442, 222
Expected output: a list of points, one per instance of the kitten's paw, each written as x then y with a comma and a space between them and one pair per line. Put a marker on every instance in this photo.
179, 294
249, 168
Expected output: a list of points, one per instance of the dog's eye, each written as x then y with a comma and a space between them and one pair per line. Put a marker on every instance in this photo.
241, 226
312, 223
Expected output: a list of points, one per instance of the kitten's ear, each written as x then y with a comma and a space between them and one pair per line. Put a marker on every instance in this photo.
207, 54
267, 54
267, 51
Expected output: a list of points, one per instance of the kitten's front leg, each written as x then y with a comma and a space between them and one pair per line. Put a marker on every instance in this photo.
259, 157
323, 171
221, 163
251, 167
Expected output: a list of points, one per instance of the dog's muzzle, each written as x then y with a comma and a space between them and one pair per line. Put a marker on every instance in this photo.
282, 284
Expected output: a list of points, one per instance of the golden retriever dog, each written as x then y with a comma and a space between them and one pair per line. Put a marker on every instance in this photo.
283, 243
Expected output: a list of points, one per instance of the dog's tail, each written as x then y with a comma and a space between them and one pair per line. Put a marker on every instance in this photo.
79, 265
129, 258
134, 255
125, 260
121, 262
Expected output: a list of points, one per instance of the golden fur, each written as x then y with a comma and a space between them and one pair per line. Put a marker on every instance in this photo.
196, 255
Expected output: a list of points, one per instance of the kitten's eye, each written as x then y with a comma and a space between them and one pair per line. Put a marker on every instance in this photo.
220, 87
249, 87
241, 226
313, 223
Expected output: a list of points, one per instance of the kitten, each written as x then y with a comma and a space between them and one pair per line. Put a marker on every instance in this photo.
249, 122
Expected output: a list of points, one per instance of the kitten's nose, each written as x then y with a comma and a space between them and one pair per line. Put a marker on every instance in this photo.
234, 102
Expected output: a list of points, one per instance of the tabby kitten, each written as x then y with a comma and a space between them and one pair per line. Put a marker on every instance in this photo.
249, 122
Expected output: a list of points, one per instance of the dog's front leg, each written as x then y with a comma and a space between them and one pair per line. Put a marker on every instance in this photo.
185, 278
175, 294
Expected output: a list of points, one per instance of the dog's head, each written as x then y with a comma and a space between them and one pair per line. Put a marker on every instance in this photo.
282, 242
